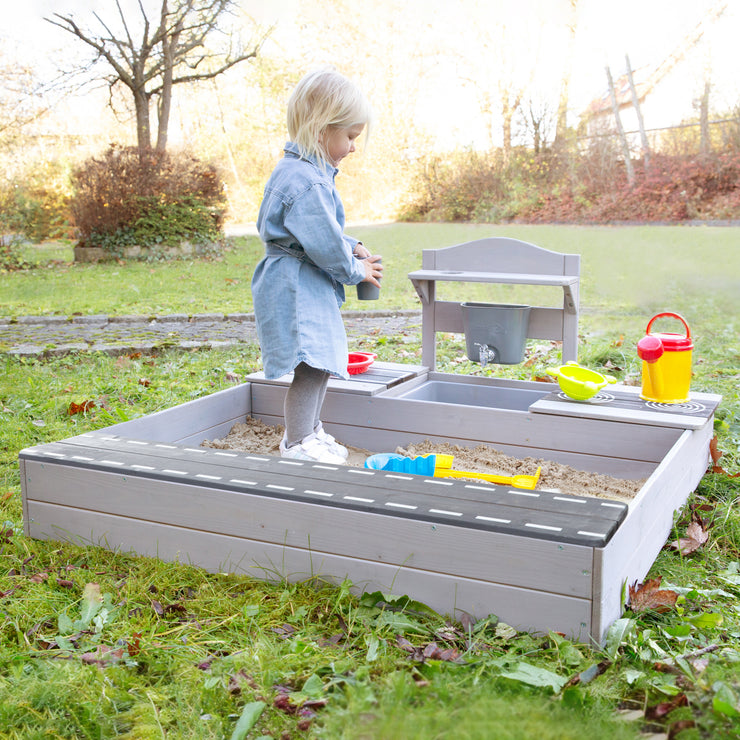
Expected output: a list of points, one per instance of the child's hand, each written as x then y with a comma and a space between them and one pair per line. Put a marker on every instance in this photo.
373, 269
361, 251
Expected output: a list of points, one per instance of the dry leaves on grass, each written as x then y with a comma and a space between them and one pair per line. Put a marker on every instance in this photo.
716, 454
649, 596
697, 535
80, 408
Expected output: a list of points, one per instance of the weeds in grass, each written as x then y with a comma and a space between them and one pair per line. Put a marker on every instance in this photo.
97, 643
164, 649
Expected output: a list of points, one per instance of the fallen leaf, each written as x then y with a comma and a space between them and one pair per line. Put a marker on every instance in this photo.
680, 726
714, 451
80, 408
103, 655
231, 377
134, 644
592, 672
618, 342
696, 536
285, 631
649, 596
145, 382
664, 708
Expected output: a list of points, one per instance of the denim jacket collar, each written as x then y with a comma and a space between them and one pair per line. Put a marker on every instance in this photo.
292, 150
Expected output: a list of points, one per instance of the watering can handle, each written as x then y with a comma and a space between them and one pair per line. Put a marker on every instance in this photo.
673, 315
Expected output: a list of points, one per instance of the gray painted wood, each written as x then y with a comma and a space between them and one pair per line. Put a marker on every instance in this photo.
202, 418
378, 377
633, 549
535, 432
472, 505
386, 440
499, 260
692, 415
484, 556
676, 458
525, 609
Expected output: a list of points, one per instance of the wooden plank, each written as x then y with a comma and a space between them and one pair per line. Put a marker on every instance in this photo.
525, 609
376, 440
629, 408
135, 457
467, 276
377, 378
535, 432
486, 556
389, 421
202, 418
532, 514
501, 253
633, 549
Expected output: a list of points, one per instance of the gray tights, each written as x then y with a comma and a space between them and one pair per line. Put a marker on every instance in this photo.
303, 402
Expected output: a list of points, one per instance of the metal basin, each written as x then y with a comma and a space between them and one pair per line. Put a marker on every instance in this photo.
469, 394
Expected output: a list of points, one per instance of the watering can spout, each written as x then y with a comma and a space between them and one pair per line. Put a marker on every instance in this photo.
650, 349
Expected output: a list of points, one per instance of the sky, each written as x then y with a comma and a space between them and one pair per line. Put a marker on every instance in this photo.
647, 30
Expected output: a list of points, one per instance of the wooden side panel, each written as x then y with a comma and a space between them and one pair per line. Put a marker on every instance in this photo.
399, 420
191, 422
386, 440
486, 556
498, 254
525, 609
633, 549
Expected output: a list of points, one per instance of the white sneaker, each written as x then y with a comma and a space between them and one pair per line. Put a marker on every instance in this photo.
330, 442
310, 448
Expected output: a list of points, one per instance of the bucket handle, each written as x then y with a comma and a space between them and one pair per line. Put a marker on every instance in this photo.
675, 316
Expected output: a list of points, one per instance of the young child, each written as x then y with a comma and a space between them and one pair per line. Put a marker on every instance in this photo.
298, 288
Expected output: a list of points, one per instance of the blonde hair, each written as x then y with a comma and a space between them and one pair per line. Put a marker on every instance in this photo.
323, 99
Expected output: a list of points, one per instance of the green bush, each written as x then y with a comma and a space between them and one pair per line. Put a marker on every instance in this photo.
149, 199
35, 203
11, 258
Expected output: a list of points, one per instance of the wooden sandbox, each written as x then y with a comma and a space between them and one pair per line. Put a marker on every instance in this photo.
539, 560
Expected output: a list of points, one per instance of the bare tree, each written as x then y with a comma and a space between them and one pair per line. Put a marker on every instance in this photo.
563, 100
170, 49
20, 99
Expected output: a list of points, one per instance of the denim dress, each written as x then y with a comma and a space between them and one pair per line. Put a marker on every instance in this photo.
298, 288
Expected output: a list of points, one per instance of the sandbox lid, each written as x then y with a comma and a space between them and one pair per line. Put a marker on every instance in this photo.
623, 403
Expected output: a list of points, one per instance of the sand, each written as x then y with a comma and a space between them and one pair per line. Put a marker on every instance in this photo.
256, 437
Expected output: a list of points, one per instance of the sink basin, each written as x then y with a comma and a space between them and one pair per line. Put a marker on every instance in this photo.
469, 394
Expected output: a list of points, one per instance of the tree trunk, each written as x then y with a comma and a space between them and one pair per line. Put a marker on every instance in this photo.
143, 133
561, 124
704, 143
620, 131
169, 50
640, 122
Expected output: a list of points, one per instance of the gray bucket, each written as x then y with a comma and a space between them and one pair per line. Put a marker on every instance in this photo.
495, 332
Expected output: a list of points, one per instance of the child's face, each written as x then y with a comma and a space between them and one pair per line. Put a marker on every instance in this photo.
339, 142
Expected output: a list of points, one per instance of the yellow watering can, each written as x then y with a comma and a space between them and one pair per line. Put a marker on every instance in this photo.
666, 363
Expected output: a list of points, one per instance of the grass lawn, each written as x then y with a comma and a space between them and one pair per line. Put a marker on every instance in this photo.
95, 644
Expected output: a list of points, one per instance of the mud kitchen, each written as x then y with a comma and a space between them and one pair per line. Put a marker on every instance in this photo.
539, 560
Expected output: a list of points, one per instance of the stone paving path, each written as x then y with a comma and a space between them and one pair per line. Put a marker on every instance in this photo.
115, 335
